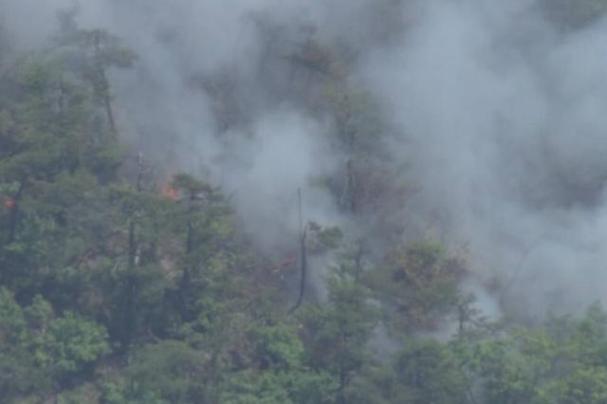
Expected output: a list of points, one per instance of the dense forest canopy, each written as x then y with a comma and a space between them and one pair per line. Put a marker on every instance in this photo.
274, 202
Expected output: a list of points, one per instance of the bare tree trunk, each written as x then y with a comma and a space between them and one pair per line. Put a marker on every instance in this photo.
107, 101
303, 257
104, 87
14, 214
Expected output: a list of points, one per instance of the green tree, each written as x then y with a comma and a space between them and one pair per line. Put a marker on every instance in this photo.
204, 221
40, 350
418, 285
427, 372
337, 334
277, 372
97, 51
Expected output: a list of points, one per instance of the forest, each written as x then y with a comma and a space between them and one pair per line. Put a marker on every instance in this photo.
303, 202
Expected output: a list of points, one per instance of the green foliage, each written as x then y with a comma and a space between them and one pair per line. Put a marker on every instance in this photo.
83, 394
171, 371
114, 293
278, 388
418, 285
338, 333
560, 362
572, 14
357, 117
322, 239
46, 348
70, 345
427, 372
122, 393
585, 386
279, 374
278, 347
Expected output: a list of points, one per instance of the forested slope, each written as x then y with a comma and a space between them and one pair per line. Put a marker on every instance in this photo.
128, 276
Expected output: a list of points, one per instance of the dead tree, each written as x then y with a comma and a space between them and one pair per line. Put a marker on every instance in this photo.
303, 230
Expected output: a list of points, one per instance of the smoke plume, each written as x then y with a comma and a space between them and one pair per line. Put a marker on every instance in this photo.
497, 111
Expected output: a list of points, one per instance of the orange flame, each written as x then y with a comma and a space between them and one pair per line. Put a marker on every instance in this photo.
287, 262
169, 192
9, 203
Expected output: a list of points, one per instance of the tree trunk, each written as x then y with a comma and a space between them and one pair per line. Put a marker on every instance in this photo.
14, 215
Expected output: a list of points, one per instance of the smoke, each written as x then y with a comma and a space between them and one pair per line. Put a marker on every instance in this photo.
498, 114
505, 121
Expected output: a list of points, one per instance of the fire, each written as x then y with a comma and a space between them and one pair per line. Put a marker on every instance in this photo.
169, 192
287, 262
9, 203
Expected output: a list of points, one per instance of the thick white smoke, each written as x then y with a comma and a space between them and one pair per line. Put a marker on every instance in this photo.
506, 124
499, 115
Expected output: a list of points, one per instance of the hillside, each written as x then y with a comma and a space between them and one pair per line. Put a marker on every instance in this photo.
347, 202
